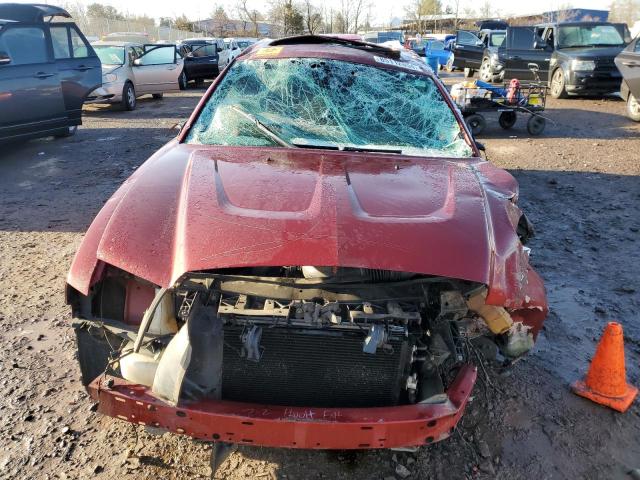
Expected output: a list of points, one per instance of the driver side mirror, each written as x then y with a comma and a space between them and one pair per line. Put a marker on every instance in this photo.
219, 49
5, 59
539, 45
137, 62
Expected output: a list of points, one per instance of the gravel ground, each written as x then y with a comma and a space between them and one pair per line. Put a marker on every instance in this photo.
579, 186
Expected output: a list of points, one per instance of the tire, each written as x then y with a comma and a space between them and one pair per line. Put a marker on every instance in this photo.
183, 81
536, 124
485, 71
633, 108
157, 96
468, 72
507, 119
449, 66
66, 132
558, 89
476, 123
128, 97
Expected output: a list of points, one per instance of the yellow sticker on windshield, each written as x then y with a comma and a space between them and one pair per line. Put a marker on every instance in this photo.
268, 52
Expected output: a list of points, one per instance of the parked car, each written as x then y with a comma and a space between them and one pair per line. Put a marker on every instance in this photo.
383, 36
128, 37
233, 47
289, 272
437, 49
574, 57
203, 58
245, 42
628, 62
479, 51
46, 72
130, 70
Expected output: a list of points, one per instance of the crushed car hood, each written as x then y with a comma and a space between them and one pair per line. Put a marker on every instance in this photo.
193, 207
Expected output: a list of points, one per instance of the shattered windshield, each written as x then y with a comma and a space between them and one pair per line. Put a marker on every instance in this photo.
318, 103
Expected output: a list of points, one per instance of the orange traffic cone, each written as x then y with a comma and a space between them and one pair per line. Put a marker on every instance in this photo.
606, 381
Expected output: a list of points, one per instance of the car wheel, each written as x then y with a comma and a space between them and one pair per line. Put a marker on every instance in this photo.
633, 108
66, 132
485, 71
157, 96
468, 72
476, 123
128, 97
183, 80
536, 124
557, 84
507, 119
449, 65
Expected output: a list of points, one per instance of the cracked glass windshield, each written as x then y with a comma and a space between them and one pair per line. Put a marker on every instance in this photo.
331, 104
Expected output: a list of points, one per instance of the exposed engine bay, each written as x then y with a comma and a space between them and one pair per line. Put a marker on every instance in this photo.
293, 336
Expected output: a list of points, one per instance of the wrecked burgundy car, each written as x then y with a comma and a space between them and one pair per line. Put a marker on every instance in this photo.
314, 262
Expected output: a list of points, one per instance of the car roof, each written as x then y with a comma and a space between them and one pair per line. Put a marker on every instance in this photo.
30, 12
315, 46
571, 24
115, 43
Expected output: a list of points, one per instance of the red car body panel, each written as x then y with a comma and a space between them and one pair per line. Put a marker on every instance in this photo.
193, 207
289, 427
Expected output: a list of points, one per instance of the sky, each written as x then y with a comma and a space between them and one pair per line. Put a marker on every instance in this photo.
382, 10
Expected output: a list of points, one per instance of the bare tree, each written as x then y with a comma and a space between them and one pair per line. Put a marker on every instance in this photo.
485, 9
246, 14
312, 17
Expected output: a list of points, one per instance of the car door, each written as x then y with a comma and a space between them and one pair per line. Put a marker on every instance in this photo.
468, 50
524, 46
156, 70
202, 59
30, 92
628, 62
78, 67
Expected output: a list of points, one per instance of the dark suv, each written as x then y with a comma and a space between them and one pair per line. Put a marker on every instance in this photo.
479, 51
575, 57
47, 69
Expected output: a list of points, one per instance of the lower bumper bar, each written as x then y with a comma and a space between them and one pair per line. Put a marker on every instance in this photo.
292, 427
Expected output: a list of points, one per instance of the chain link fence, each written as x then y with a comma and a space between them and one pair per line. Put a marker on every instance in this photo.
98, 28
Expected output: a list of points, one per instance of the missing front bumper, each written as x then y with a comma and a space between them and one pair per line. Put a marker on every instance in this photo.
292, 427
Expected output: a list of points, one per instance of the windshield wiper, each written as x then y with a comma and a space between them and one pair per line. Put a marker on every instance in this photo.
369, 149
346, 148
263, 128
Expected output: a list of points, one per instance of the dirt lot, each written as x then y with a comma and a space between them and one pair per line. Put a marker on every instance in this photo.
580, 186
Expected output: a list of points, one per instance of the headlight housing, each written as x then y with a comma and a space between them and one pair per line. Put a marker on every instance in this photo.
583, 65
109, 77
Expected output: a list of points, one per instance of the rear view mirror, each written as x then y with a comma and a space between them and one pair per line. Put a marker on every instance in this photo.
534, 67
4, 58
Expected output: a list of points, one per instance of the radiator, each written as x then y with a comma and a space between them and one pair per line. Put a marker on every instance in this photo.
314, 368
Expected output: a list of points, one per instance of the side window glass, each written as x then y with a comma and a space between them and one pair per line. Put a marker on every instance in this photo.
467, 38
60, 40
522, 39
637, 47
24, 45
158, 56
79, 46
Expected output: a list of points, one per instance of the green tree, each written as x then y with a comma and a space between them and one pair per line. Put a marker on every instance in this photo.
98, 10
293, 21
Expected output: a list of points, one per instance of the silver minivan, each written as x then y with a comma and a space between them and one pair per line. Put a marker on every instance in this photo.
130, 70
